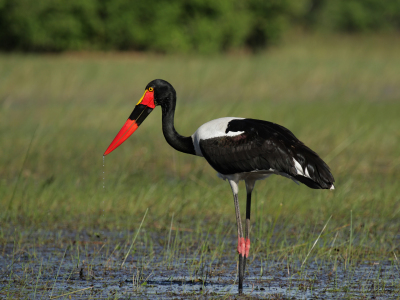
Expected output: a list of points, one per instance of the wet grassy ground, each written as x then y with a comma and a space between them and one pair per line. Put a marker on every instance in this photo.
63, 235
159, 265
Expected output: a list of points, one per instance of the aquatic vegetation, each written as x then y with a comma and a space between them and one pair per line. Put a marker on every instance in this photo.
62, 234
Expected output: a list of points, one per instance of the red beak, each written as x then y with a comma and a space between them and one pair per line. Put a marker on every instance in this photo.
142, 109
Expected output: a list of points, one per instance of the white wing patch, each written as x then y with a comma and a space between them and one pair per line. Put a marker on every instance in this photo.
299, 169
213, 129
306, 173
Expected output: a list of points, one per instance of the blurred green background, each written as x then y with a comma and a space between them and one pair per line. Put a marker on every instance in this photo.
181, 26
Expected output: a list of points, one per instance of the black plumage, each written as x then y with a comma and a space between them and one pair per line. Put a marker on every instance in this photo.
265, 145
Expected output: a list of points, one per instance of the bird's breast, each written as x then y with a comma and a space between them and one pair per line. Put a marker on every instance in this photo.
213, 129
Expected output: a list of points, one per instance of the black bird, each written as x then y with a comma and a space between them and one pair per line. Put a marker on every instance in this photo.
237, 148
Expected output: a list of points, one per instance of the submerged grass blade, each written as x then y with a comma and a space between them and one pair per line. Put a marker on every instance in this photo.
37, 278
74, 292
134, 239
169, 234
316, 241
58, 271
350, 241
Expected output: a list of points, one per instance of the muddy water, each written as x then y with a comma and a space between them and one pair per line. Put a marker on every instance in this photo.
68, 266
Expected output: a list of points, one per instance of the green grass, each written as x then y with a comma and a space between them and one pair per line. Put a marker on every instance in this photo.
339, 95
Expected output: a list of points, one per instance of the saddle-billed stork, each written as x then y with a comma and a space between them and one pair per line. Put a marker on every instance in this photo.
237, 148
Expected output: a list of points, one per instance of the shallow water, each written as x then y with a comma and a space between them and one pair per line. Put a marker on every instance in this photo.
65, 265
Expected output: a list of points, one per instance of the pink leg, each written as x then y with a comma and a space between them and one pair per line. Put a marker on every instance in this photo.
241, 246
249, 188
247, 241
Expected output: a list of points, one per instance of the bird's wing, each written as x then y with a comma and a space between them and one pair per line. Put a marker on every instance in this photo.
264, 145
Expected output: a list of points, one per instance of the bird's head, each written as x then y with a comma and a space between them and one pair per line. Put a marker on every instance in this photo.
157, 92
164, 92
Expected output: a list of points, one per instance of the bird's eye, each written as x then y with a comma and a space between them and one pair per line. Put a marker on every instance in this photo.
151, 89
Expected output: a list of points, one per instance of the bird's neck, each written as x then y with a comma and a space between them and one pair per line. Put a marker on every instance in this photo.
176, 141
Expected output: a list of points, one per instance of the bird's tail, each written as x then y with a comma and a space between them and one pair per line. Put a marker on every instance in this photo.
311, 170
